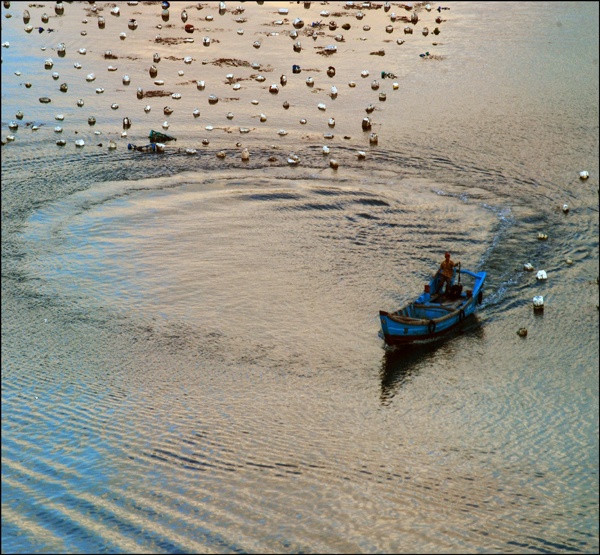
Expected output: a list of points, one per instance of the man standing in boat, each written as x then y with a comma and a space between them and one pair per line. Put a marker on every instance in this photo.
446, 272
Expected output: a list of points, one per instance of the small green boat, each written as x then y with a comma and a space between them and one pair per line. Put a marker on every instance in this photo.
158, 137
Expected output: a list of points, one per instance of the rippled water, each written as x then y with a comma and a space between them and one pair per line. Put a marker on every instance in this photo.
190, 350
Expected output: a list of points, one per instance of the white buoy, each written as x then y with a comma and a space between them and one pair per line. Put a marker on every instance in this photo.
321, 107
528, 267
541, 275
538, 302
584, 175
325, 149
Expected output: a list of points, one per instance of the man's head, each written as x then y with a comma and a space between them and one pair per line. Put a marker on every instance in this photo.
447, 255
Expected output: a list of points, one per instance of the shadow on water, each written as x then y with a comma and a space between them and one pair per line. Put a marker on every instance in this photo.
400, 364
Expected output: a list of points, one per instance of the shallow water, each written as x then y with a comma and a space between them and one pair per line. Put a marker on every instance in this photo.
190, 350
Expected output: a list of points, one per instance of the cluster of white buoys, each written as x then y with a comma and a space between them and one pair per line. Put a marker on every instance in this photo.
542, 275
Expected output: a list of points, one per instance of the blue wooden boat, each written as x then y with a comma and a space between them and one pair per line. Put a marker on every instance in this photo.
433, 313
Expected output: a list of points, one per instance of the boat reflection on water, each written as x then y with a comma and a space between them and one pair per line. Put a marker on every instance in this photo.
400, 364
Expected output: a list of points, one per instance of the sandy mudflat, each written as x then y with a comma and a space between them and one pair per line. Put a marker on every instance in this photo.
244, 54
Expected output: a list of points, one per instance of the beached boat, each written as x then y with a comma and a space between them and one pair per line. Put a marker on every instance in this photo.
158, 137
433, 313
